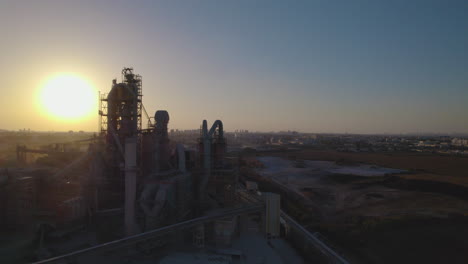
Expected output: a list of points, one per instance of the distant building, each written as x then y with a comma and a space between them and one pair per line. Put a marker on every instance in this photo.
460, 142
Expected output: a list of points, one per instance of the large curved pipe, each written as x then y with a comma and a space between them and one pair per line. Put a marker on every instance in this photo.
207, 138
152, 199
181, 157
217, 124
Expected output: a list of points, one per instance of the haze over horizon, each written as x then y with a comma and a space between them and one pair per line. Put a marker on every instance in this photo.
310, 66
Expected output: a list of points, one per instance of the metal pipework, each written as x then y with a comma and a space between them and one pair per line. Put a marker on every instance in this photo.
207, 137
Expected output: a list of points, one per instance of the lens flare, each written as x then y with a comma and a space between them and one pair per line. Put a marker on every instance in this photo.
68, 97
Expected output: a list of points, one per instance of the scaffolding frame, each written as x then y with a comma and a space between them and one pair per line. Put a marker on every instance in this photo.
130, 79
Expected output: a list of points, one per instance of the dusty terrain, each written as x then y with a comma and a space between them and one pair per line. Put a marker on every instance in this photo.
421, 165
419, 214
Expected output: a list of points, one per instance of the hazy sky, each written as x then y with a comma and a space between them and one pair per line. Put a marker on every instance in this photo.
313, 66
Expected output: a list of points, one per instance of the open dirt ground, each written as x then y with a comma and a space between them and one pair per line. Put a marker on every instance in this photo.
379, 207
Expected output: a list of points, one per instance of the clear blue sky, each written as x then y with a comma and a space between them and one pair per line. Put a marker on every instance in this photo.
312, 66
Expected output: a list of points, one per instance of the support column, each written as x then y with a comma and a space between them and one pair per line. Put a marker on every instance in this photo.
130, 185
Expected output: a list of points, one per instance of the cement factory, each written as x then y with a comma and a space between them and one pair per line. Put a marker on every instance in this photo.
141, 198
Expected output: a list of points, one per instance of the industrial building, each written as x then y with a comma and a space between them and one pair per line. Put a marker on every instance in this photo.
143, 197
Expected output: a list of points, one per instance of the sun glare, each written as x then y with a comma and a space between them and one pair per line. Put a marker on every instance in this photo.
68, 97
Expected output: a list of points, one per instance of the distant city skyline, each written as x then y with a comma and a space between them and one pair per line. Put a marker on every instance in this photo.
367, 67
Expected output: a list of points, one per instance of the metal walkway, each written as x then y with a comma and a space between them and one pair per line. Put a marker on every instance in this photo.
331, 254
131, 240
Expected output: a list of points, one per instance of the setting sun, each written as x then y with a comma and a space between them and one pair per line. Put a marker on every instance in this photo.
68, 96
